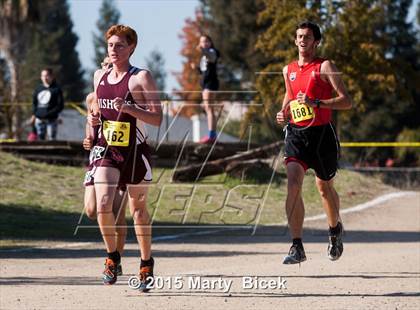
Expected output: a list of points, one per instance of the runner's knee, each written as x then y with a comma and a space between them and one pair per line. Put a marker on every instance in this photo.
90, 203
294, 184
140, 215
90, 210
105, 204
324, 188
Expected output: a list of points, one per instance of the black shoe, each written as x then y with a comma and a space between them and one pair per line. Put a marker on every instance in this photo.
146, 277
296, 255
119, 270
335, 245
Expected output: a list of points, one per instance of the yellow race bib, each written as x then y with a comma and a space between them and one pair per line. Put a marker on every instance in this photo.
300, 111
116, 133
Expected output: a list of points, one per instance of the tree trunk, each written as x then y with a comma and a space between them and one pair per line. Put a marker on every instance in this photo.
16, 21
194, 172
15, 127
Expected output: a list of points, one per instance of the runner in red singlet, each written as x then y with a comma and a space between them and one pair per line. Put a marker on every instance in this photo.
311, 140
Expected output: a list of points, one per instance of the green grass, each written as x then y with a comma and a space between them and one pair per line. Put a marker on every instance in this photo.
41, 201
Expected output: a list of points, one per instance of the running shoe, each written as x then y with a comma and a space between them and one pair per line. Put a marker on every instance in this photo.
207, 140
335, 245
146, 277
119, 270
296, 255
109, 276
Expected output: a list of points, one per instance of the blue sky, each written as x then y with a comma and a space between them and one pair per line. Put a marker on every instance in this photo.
157, 22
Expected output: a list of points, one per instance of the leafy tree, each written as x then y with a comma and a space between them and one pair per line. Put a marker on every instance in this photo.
370, 42
276, 44
381, 72
108, 15
240, 60
407, 155
189, 79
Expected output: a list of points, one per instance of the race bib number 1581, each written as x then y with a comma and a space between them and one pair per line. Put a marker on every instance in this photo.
301, 112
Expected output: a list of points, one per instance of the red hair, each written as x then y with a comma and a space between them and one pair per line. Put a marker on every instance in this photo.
122, 31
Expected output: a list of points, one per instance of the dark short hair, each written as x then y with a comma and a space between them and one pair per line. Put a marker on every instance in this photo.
208, 38
314, 27
49, 70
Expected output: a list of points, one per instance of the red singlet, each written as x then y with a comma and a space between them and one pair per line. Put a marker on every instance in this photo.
307, 79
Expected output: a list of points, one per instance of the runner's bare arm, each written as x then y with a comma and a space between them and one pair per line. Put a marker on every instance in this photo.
342, 101
90, 102
93, 114
88, 111
96, 78
281, 116
286, 98
145, 93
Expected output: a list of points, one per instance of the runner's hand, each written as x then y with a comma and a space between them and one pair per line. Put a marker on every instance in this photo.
120, 105
87, 143
302, 98
93, 119
281, 117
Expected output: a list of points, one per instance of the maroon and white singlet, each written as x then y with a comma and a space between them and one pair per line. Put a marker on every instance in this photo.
121, 138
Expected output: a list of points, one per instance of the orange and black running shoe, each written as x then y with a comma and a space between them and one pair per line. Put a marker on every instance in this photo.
109, 276
146, 277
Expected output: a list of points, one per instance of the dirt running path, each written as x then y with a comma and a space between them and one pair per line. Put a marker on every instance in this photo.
380, 269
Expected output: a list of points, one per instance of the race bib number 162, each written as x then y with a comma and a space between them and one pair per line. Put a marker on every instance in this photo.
116, 133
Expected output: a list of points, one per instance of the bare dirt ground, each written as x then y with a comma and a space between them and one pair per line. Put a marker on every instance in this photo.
380, 269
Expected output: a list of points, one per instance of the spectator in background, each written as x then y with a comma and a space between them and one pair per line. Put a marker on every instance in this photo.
32, 136
209, 82
47, 103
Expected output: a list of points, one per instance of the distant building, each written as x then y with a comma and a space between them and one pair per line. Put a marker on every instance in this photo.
72, 128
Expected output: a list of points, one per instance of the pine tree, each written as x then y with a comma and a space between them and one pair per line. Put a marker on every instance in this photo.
156, 64
418, 13
108, 16
59, 26
53, 44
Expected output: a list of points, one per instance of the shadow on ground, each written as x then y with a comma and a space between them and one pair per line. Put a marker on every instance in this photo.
205, 235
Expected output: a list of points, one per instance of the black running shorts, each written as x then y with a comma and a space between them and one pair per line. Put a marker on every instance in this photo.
315, 147
211, 84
